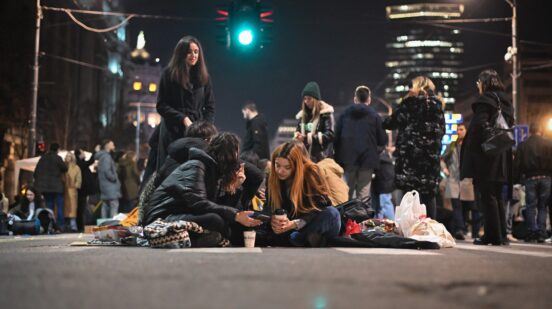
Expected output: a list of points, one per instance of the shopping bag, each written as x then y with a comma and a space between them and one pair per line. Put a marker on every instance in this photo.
428, 229
409, 212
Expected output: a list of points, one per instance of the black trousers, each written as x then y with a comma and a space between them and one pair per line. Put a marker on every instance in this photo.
431, 205
494, 215
81, 207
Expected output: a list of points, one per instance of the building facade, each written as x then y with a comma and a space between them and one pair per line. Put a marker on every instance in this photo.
415, 48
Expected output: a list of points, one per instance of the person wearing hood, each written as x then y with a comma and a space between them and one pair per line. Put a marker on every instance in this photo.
489, 173
256, 137
420, 122
358, 137
110, 187
315, 127
191, 192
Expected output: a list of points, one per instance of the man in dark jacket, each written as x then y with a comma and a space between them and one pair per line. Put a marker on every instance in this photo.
110, 187
48, 176
533, 163
359, 133
256, 136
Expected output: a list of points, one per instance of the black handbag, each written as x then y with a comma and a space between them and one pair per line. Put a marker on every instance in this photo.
499, 137
356, 209
26, 227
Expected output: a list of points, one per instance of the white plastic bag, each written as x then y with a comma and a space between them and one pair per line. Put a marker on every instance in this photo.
428, 229
409, 212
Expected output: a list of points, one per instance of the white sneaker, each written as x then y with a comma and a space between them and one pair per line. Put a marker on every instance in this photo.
548, 240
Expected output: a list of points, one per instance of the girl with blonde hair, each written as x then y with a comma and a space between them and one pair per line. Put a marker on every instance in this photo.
72, 181
420, 122
296, 185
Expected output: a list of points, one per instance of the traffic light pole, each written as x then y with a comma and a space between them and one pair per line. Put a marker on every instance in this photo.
32, 136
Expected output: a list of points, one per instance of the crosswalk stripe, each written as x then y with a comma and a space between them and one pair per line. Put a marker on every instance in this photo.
384, 251
504, 250
216, 250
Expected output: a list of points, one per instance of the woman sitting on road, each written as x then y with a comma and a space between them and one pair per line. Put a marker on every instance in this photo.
295, 185
192, 191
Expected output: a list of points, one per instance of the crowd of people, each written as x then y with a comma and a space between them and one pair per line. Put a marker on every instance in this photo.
197, 174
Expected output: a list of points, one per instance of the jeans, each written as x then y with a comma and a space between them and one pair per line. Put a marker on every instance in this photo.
326, 223
537, 193
58, 197
386, 207
110, 208
359, 182
458, 223
461, 212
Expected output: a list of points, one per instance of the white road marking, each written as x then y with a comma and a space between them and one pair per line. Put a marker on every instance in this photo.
504, 250
536, 246
384, 251
216, 250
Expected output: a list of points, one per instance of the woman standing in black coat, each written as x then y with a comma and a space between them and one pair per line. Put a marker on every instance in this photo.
489, 173
185, 96
421, 124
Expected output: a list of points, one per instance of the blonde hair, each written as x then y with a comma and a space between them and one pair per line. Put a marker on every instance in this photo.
70, 157
306, 179
315, 110
423, 86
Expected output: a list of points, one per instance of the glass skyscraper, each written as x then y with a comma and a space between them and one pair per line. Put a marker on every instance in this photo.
416, 48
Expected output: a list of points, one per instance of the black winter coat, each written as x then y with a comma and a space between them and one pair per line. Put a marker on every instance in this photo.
319, 132
192, 188
175, 102
358, 135
49, 172
421, 124
473, 162
256, 137
89, 184
178, 153
384, 182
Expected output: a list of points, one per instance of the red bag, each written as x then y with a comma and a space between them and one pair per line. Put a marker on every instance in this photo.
351, 227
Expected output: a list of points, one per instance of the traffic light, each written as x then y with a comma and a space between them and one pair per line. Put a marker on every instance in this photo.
244, 25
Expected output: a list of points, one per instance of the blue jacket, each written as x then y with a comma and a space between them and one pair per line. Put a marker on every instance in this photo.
359, 133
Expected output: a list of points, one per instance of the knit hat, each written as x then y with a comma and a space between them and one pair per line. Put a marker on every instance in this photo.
312, 90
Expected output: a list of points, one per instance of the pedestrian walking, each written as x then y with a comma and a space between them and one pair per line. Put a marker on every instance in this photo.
315, 127
420, 122
358, 137
48, 179
533, 166
490, 173
72, 182
256, 135
110, 187
185, 96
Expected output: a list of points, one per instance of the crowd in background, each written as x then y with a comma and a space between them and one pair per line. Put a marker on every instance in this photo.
195, 173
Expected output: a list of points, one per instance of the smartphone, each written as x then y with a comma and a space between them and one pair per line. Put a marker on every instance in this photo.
259, 216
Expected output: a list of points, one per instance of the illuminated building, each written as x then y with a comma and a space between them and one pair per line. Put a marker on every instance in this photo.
416, 49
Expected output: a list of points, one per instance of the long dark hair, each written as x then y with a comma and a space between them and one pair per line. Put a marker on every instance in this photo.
25, 201
178, 68
224, 149
490, 81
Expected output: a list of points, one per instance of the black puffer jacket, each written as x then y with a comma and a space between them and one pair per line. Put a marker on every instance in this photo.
178, 153
473, 162
256, 137
421, 124
318, 131
191, 189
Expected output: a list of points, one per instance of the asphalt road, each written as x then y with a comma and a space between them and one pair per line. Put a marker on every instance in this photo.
45, 272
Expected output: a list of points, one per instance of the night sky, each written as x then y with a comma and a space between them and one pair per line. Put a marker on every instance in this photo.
339, 44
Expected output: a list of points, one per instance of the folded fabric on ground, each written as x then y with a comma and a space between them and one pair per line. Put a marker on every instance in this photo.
379, 239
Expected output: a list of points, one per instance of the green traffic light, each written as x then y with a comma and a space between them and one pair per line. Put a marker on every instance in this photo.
245, 37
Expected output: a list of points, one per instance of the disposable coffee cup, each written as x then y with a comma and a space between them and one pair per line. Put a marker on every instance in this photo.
249, 238
280, 214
